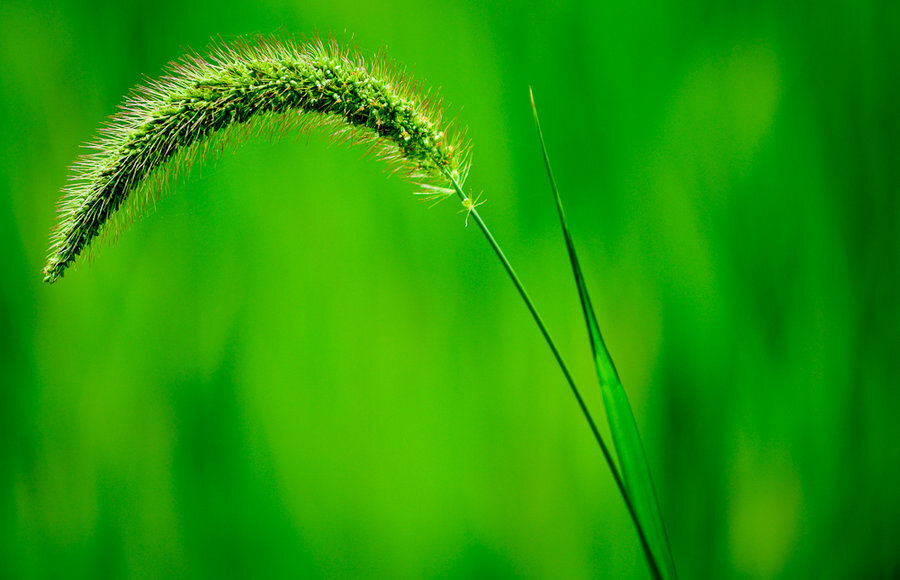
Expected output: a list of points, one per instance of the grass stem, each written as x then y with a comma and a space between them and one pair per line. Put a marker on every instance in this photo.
473, 213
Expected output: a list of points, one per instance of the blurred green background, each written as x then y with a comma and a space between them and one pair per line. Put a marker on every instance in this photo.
291, 368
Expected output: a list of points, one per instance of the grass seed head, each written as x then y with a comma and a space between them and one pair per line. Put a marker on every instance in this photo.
262, 87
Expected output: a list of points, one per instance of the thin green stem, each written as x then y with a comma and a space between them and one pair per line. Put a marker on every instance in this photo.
473, 212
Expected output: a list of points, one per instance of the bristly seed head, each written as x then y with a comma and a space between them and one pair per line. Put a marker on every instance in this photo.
265, 87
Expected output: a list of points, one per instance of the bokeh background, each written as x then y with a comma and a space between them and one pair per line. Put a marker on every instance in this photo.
292, 368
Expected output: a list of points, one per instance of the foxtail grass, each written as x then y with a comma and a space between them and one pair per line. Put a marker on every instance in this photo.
270, 86
265, 87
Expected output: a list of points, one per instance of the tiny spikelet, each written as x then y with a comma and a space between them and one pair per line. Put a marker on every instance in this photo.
263, 87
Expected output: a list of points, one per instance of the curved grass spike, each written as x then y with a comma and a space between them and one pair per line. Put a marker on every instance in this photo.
268, 87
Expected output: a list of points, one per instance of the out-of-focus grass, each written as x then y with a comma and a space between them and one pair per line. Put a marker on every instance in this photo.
732, 172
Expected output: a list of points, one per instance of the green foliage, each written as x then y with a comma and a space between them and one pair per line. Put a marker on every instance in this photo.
293, 370
247, 82
268, 87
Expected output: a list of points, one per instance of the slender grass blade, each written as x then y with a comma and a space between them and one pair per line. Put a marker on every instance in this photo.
626, 439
